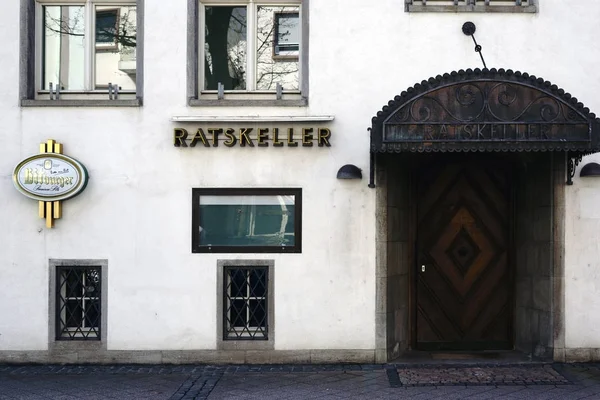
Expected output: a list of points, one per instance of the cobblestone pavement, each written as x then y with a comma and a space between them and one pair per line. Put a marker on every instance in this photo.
530, 381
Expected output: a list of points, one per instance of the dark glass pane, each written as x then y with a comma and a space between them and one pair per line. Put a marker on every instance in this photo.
258, 283
106, 26
225, 47
73, 283
92, 313
73, 313
238, 283
270, 219
258, 314
238, 316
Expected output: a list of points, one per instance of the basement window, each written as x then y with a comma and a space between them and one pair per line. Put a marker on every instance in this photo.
245, 301
78, 302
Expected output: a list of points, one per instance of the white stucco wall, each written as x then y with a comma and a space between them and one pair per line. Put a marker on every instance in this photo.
582, 262
136, 210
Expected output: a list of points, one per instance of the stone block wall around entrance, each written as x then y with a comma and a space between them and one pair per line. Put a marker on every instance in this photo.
394, 218
534, 254
538, 235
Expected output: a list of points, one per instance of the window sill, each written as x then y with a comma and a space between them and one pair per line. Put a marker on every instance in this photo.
74, 345
246, 249
81, 103
303, 102
483, 9
257, 344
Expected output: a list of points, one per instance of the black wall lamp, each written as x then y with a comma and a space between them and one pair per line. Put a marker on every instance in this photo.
349, 171
590, 169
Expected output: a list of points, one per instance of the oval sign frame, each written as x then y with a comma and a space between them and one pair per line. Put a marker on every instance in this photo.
77, 188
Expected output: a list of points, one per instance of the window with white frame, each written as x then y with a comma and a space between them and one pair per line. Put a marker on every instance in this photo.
471, 5
250, 46
84, 49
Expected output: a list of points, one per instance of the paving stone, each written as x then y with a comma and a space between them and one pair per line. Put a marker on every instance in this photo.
283, 382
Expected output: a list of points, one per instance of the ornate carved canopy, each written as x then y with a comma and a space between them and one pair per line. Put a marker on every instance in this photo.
485, 110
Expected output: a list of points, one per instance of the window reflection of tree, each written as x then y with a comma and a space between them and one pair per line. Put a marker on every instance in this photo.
225, 30
226, 52
271, 67
73, 25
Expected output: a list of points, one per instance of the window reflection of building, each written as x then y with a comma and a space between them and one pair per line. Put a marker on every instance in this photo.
261, 61
115, 60
287, 34
64, 42
247, 220
66, 50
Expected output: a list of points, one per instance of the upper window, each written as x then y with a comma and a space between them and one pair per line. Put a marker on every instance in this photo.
250, 50
247, 220
82, 50
471, 5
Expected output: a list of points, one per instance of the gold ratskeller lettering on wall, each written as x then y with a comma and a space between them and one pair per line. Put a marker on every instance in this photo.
251, 138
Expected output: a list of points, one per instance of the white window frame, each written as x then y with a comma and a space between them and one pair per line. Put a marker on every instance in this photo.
503, 6
90, 92
296, 97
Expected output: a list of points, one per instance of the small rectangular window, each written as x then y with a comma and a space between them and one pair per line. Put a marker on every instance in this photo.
245, 312
246, 220
78, 302
287, 34
107, 26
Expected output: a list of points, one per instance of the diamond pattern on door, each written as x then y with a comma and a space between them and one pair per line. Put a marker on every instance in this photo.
462, 227
463, 297
463, 251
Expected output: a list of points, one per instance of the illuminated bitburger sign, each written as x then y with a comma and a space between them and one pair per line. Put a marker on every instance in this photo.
50, 177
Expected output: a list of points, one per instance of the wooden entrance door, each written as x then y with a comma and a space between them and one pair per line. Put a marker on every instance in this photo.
463, 275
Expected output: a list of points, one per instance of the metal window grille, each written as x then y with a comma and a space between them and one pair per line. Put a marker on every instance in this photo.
245, 303
78, 302
471, 2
